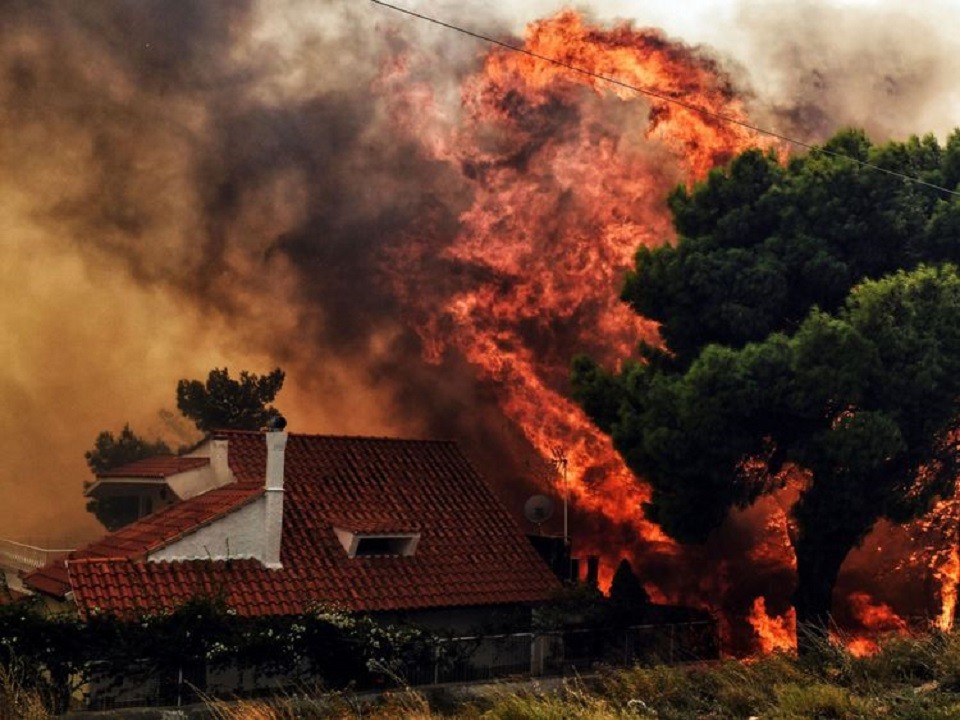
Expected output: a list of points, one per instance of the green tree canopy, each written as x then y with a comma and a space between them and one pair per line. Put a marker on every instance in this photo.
761, 243
224, 403
805, 323
111, 451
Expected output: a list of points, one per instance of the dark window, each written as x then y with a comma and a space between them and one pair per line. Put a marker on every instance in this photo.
367, 546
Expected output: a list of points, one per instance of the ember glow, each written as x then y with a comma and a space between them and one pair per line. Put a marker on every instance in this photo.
876, 620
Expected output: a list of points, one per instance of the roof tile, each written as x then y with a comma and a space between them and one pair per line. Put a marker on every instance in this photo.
160, 466
470, 551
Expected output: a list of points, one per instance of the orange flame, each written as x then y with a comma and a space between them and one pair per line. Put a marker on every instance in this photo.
941, 530
876, 620
877, 617
862, 647
948, 576
566, 186
774, 633
569, 175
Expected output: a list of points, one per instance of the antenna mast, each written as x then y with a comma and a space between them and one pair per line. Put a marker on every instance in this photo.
560, 461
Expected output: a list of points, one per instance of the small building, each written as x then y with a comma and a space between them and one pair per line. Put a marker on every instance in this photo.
275, 523
137, 489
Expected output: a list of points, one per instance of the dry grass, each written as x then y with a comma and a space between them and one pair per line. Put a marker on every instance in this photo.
17, 702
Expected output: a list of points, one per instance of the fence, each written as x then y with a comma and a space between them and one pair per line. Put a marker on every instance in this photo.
454, 660
19, 556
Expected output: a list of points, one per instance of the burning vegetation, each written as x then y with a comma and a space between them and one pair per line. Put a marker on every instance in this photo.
424, 242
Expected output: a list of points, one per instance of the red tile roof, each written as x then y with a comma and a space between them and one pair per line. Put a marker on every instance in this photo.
9, 597
470, 551
150, 533
161, 466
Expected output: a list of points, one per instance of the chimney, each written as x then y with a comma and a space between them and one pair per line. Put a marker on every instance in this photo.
273, 513
593, 570
219, 451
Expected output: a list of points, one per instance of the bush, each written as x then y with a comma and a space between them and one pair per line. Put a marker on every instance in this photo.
19, 701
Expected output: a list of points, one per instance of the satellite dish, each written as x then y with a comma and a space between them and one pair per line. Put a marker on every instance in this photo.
538, 509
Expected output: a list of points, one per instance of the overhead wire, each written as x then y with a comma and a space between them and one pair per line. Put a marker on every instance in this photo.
660, 96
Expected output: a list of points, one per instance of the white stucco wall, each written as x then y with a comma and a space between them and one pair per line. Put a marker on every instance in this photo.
237, 535
191, 483
218, 470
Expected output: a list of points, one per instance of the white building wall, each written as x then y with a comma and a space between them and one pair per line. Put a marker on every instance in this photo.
237, 535
191, 483
273, 498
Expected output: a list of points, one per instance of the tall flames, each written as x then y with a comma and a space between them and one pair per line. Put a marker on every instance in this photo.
444, 225
569, 175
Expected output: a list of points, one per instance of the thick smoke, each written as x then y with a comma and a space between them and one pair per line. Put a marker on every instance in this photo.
889, 68
190, 185
210, 184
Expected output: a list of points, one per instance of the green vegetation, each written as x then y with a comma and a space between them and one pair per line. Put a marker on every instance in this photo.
58, 656
810, 317
909, 679
222, 403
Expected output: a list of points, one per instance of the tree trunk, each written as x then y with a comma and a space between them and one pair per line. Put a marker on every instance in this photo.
818, 565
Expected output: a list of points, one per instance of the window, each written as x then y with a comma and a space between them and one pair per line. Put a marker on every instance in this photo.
359, 544
367, 546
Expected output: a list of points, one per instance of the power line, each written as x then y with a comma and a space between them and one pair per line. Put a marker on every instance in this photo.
659, 96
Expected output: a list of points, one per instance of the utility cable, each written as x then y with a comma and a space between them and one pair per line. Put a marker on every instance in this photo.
660, 96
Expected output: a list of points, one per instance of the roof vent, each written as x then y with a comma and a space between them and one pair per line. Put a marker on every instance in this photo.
377, 545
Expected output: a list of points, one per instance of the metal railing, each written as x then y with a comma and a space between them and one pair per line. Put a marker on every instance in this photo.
454, 660
20, 556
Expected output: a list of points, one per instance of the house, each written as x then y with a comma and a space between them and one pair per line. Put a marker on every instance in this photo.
276, 523
139, 488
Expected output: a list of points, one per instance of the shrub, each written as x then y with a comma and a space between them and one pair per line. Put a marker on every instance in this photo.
17, 700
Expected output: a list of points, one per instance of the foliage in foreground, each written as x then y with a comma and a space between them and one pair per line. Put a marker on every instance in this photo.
56, 656
910, 679
915, 679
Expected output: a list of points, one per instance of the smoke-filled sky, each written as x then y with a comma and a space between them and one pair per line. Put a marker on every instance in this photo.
199, 184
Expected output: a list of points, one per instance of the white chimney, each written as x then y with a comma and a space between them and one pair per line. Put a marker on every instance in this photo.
273, 507
219, 452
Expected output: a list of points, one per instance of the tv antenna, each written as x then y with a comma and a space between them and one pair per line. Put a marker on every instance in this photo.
559, 456
538, 509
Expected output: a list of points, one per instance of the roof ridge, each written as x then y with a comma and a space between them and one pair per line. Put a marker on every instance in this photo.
161, 465
328, 436
87, 560
149, 520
